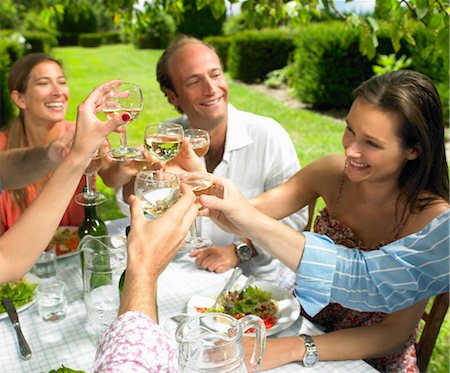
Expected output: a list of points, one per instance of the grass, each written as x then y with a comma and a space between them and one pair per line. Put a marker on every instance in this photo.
314, 135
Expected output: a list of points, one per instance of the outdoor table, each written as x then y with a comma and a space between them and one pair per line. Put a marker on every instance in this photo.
68, 343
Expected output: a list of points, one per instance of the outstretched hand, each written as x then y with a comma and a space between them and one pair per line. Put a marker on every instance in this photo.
152, 244
90, 131
186, 161
228, 207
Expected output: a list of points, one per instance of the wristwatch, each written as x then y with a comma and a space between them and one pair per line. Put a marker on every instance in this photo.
311, 356
243, 251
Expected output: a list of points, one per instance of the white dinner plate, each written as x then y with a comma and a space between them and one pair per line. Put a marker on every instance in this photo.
288, 306
32, 279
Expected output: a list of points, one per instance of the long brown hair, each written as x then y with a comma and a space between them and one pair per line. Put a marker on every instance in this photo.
415, 99
18, 78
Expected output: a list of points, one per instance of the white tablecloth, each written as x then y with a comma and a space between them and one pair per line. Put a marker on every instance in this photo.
67, 342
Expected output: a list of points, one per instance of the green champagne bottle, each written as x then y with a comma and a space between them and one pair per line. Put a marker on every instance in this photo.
122, 277
94, 226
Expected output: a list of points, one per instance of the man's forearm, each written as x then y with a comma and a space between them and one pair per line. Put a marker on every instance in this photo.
20, 167
139, 292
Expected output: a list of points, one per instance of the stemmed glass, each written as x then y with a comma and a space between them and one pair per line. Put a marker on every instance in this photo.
91, 197
157, 191
200, 183
163, 140
126, 98
199, 140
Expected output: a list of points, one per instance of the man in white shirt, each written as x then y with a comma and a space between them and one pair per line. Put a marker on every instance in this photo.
254, 152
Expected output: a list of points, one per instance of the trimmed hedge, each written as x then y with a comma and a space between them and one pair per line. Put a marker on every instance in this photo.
221, 44
328, 65
39, 42
255, 53
111, 37
90, 40
12, 47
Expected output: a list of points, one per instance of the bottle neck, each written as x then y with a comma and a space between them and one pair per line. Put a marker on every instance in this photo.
90, 212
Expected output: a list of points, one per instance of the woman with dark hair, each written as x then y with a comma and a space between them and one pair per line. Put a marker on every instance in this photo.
38, 87
391, 183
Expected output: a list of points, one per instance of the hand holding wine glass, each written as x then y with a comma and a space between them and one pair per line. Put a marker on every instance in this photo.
118, 100
200, 183
163, 140
199, 140
157, 191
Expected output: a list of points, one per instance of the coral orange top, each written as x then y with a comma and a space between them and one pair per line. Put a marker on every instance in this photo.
10, 211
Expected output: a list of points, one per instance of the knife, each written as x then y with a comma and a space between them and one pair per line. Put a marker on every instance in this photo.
233, 278
25, 351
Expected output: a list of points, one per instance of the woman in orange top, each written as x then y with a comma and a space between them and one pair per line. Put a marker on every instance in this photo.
38, 87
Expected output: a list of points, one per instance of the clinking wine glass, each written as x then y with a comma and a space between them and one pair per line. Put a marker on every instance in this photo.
126, 98
91, 197
163, 140
200, 183
157, 191
199, 140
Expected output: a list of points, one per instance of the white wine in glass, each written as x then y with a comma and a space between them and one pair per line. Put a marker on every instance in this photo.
125, 98
200, 183
157, 191
199, 140
163, 140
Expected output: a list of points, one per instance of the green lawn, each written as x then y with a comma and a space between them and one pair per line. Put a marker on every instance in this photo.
314, 135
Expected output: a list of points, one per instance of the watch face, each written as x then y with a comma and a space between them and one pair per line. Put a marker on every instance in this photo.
310, 359
244, 252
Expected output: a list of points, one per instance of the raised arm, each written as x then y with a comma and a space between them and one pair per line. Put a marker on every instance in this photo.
311, 182
22, 244
392, 278
20, 167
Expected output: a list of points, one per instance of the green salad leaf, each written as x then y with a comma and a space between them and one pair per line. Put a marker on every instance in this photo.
20, 293
63, 369
252, 300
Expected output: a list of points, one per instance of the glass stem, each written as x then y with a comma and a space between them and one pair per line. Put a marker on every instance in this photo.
90, 185
123, 137
193, 229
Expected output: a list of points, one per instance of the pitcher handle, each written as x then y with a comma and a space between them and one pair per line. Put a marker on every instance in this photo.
253, 321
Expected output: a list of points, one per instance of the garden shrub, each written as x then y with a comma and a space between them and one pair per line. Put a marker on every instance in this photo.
77, 19
90, 40
39, 42
154, 29
12, 47
328, 65
9, 17
111, 37
253, 54
199, 22
221, 45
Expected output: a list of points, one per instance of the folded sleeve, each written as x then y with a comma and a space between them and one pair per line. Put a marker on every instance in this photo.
389, 279
135, 343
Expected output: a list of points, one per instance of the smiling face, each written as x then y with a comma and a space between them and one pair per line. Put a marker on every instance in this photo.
201, 90
372, 146
46, 96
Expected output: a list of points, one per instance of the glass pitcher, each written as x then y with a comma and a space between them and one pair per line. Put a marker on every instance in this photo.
104, 260
213, 342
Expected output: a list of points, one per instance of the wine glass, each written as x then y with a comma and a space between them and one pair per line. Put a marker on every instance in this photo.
157, 191
199, 140
200, 183
143, 163
91, 197
163, 140
126, 98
